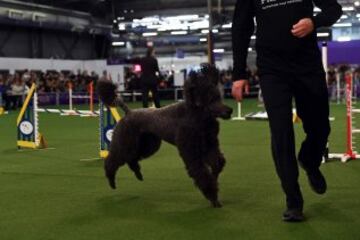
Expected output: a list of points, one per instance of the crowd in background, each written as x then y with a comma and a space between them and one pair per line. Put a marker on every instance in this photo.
336, 75
13, 86
166, 79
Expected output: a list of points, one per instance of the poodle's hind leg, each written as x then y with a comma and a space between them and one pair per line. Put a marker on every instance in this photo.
135, 167
111, 164
122, 150
148, 144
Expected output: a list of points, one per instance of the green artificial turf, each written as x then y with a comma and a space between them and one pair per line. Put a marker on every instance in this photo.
51, 194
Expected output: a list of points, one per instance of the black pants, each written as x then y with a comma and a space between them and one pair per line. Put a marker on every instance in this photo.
155, 95
311, 99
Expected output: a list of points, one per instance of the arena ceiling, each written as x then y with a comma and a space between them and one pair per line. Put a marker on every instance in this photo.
125, 16
145, 8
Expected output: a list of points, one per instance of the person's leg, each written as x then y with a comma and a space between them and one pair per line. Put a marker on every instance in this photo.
277, 95
145, 96
7, 101
312, 105
13, 102
155, 96
18, 102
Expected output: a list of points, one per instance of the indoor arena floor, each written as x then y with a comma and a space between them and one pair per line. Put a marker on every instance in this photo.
61, 193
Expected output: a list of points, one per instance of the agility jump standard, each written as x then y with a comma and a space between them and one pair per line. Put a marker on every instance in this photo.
28, 135
108, 119
90, 97
71, 111
351, 152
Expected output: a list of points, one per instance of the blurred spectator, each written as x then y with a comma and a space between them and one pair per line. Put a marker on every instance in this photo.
17, 92
150, 73
105, 76
2, 90
331, 78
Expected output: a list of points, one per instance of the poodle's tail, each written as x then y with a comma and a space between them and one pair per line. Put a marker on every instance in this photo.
107, 94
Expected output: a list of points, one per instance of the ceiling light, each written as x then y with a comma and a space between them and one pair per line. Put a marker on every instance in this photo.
183, 17
226, 26
323, 34
348, 9
122, 26
150, 34
179, 33
118, 44
219, 50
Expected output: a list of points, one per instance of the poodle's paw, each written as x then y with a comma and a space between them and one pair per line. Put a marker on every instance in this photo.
139, 176
216, 204
112, 185
111, 180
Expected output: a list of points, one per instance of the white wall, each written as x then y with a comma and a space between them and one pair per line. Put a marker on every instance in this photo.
177, 64
13, 64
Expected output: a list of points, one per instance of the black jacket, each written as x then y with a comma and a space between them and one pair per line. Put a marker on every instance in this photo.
149, 68
277, 49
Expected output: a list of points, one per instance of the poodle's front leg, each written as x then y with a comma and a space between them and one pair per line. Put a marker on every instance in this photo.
217, 162
203, 179
190, 145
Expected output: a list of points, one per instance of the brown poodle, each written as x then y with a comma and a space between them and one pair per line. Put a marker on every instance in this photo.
191, 126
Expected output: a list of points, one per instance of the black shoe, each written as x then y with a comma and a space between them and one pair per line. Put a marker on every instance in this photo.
293, 215
317, 181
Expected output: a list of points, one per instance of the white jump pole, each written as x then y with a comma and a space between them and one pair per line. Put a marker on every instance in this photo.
325, 58
36, 119
70, 97
239, 111
354, 90
338, 88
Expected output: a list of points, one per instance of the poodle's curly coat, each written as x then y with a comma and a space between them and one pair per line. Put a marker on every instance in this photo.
190, 125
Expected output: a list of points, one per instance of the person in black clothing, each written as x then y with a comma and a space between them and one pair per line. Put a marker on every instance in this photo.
290, 66
149, 78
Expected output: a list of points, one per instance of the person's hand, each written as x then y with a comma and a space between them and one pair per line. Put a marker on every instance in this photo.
303, 28
238, 89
